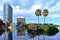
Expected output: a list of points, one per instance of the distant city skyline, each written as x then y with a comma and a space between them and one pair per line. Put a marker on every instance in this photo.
26, 8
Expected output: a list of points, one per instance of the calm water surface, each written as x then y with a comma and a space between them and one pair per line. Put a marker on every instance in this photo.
26, 37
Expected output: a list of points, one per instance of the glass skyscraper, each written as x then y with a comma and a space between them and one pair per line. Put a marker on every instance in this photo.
7, 16
7, 13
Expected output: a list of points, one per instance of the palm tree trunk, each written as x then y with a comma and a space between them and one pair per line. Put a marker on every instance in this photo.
44, 24
38, 26
44, 19
43, 37
38, 37
38, 20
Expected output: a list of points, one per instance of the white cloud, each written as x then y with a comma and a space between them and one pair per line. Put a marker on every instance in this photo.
54, 16
53, 8
17, 9
1, 7
34, 7
31, 11
23, 2
4, 1
56, 7
48, 4
38, 1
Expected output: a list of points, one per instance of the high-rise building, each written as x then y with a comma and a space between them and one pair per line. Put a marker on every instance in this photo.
7, 17
7, 13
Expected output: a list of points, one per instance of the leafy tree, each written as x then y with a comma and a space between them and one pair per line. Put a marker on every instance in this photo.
1, 28
1, 22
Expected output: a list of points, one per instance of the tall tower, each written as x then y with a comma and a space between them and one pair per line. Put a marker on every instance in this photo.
7, 16
7, 13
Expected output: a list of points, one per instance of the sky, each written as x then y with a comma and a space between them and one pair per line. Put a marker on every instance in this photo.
27, 8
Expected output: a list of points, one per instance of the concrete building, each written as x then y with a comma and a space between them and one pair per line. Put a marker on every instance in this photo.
20, 27
7, 13
21, 20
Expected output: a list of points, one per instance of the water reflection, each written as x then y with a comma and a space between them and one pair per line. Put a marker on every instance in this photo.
26, 37
56, 37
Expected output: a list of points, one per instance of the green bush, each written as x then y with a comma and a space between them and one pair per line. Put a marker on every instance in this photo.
52, 30
40, 31
49, 30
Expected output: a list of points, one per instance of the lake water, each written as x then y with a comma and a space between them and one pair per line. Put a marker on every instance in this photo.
26, 37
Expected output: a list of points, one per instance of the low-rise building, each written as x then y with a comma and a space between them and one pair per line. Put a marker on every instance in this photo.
20, 27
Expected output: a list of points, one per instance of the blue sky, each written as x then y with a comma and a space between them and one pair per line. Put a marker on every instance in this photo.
26, 8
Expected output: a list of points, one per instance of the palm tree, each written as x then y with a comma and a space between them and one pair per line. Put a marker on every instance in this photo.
38, 13
45, 13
